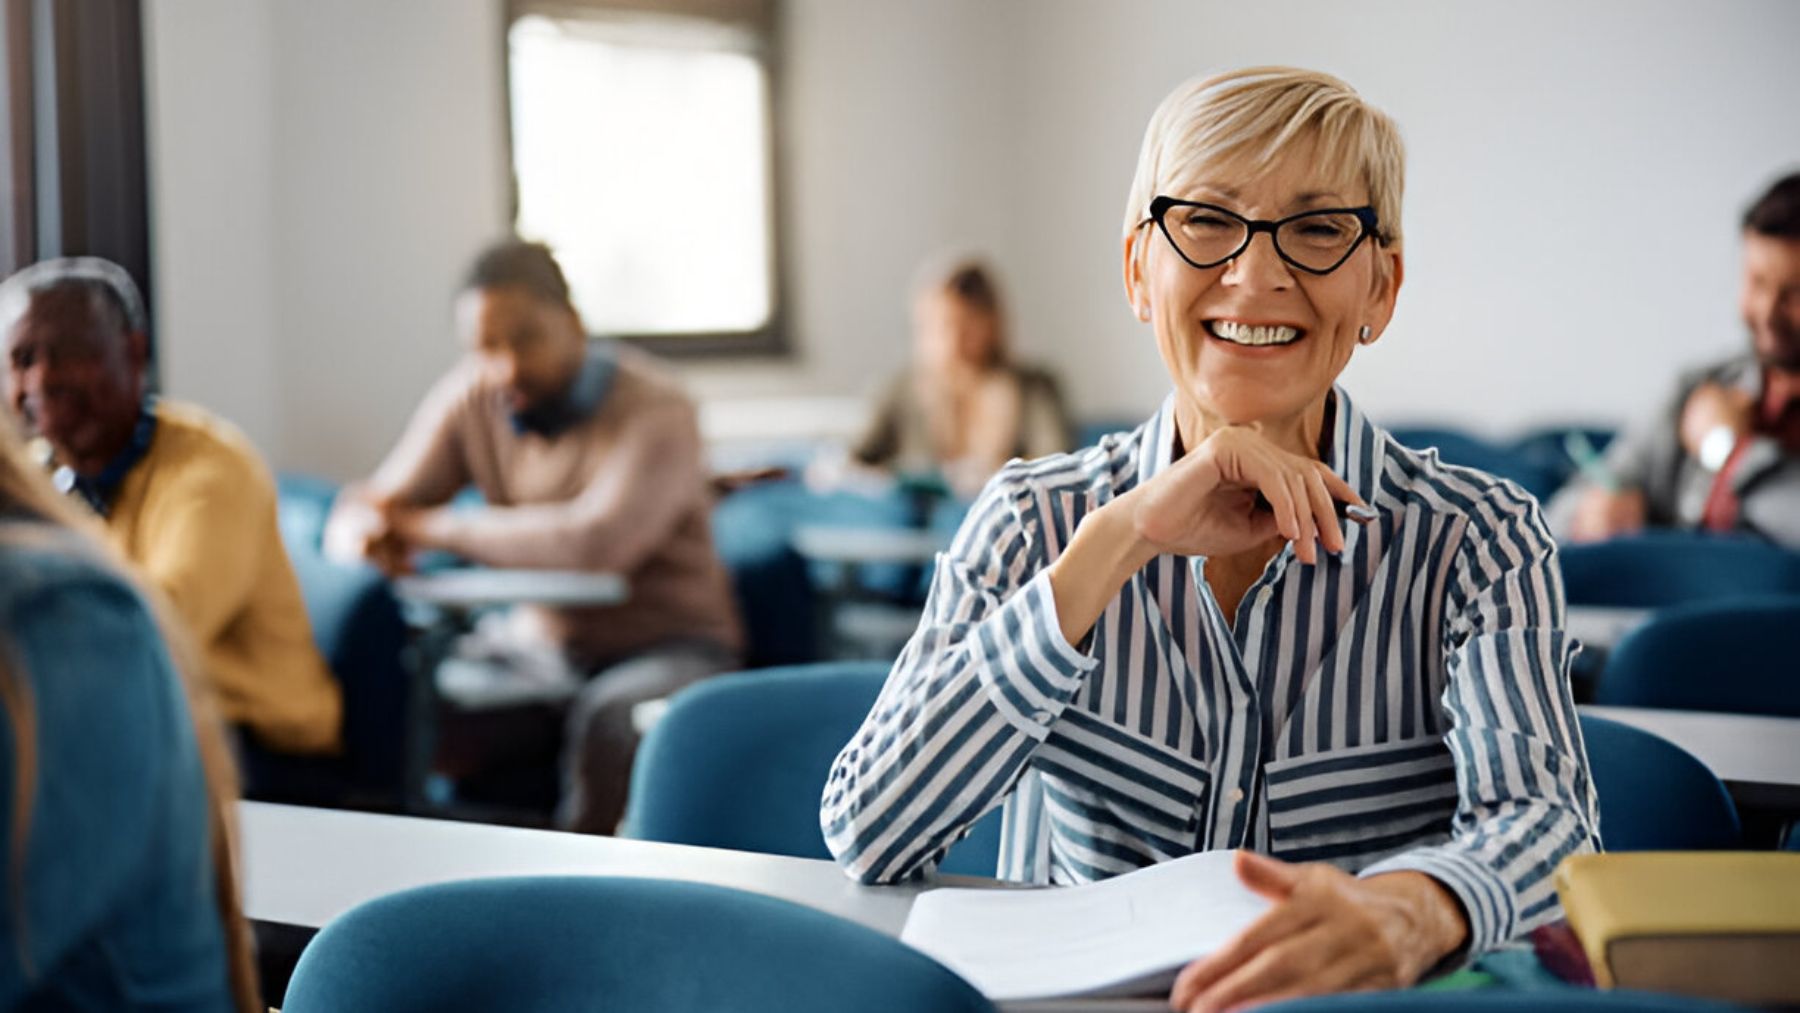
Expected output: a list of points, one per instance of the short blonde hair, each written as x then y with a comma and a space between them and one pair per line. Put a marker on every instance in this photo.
1252, 117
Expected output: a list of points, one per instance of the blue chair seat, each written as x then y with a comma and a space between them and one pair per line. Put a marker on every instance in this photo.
538, 945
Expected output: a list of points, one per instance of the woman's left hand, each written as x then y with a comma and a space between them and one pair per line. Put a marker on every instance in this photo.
1327, 932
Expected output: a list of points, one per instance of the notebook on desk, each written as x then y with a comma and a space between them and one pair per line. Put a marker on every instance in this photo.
1125, 936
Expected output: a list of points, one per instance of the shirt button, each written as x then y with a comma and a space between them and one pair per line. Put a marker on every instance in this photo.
1237, 796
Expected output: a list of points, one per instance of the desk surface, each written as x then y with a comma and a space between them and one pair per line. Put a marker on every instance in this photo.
1603, 626
304, 866
827, 543
475, 588
1757, 757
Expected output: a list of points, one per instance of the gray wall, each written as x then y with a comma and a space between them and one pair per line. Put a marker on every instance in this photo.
322, 169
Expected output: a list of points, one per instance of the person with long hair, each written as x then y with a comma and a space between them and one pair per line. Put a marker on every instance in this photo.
964, 406
116, 805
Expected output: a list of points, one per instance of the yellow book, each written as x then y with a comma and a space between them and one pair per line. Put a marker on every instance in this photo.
1722, 924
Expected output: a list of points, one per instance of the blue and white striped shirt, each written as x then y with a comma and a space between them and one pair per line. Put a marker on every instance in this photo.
1402, 705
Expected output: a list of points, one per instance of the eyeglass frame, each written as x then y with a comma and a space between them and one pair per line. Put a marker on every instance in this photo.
1365, 216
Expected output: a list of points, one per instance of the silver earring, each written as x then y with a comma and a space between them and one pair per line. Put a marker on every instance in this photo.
1363, 336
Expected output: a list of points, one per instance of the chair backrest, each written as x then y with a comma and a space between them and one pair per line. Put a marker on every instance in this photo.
1740, 656
1655, 795
358, 626
1570, 1000
1467, 450
1663, 568
303, 502
741, 761
594, 943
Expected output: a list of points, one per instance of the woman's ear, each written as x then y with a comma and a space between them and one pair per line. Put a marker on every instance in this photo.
1384, 291
1136, 293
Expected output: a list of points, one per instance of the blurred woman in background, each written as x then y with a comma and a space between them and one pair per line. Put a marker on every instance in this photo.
963, 407
116, 815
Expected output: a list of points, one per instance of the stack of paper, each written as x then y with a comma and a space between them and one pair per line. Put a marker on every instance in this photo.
1124, 936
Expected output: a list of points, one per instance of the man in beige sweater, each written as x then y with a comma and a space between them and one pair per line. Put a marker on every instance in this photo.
589, 458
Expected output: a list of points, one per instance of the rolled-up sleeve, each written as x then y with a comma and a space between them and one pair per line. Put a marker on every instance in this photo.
1525, 798
972, 695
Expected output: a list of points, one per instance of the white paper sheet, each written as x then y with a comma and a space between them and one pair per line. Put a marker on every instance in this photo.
1128, 935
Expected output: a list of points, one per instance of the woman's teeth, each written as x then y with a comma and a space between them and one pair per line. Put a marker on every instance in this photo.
1249, 334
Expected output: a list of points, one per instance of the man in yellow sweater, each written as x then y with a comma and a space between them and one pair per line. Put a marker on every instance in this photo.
183, 494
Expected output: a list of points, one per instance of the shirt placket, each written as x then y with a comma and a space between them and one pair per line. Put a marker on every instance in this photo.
1237, 753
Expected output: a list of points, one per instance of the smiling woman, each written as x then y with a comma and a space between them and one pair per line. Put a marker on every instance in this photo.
1169, 643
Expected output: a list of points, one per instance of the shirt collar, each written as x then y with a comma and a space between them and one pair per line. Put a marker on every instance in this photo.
1354, 447
102, 487
1781, 391
587, 390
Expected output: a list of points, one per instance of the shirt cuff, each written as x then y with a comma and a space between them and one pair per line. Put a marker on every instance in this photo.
1027, 668
1486, 899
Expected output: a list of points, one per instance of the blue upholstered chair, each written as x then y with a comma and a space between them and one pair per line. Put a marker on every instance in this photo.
741, 761
1655, 795
1572, 1000
358, 627
774, 591
1740, 656
537, 945
1457, 447
1546, 448
1658, 569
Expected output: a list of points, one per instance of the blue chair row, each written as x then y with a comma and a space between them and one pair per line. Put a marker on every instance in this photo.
1537, 461
1657, 569
740, 762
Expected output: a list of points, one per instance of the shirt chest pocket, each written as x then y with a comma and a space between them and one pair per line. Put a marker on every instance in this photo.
1109, 775
1351, 807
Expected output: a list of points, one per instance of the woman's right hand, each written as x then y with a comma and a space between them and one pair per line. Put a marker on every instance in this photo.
1237, 490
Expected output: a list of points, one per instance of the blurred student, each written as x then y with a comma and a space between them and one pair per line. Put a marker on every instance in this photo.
115, 802
1724, 453
589, 458
185, 497
963, 407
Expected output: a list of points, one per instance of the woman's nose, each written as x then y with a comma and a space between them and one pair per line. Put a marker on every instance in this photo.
1259, 266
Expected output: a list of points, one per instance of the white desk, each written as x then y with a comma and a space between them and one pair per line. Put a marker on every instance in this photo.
480, 587
1601, 627
302, 867
1758, 758
862, 546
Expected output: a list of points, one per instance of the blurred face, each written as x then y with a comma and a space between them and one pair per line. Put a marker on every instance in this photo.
75, 381
1770, 299
950, 332
1255, 340
528, 347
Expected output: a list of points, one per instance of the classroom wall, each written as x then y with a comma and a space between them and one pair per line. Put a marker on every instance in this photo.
323, 170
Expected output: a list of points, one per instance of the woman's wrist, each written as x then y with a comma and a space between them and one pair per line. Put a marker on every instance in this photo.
1436, 923
1104, 553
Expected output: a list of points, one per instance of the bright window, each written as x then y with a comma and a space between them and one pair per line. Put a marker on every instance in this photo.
642, 155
